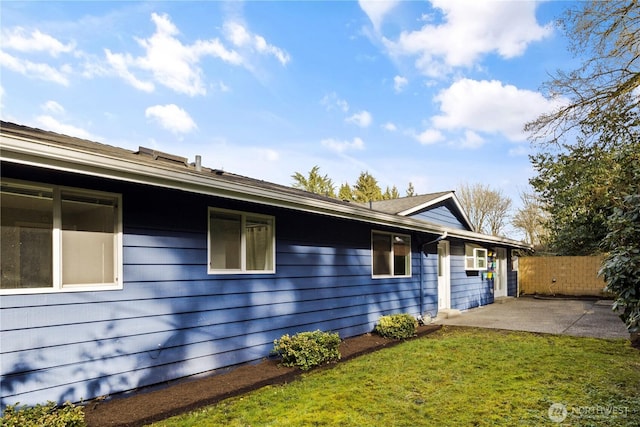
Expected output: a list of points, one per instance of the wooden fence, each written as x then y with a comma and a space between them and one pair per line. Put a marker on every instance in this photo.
577, 275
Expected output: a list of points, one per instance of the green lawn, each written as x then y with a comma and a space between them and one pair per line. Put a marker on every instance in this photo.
457, 376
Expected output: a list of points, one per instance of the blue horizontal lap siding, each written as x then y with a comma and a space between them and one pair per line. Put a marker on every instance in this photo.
512, 283
468, 288
172, 319
430, 284
442, 215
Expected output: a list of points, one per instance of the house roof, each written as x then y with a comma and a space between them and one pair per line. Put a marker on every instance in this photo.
30, 146
395, 206
406, 206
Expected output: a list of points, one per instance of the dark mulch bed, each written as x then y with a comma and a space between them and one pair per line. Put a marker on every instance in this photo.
144, 407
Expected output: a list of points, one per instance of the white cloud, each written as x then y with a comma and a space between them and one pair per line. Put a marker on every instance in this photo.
242, 38
171, 117
429, 136
34, 70
362, 119
490, 107
169, 61
17, 39
119, 65
331, 101
469, 30
342, 146
471, 140
389, 126
52, 107
52, 124
377, 9
399, 83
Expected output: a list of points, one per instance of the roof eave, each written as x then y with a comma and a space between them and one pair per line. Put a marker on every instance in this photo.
28, 151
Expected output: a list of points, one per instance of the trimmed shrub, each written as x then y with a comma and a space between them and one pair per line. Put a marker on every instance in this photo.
49, 415
397, 326
308, 349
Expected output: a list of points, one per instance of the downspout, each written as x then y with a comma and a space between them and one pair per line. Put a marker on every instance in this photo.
517, 278
421, 280
422, 251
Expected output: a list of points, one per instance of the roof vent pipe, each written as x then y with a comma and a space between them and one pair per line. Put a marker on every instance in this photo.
198, 163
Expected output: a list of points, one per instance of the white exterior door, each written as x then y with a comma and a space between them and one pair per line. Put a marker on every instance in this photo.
444, 276
500, 281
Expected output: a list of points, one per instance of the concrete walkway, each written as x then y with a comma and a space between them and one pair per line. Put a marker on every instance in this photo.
555, 316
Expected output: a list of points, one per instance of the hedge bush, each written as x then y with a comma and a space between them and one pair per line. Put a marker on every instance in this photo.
308, 349
49, 415
397, 326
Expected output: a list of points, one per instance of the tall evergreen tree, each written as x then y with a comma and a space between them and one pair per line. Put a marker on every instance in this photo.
314, 182
366, 188
410, 190
345, 192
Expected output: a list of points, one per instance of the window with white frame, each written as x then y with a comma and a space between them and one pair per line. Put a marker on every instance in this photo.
241, 242
391, 254
475, 257
59, 238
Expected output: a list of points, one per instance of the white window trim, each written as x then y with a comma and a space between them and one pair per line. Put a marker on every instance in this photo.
243, 257
386, 276
57, 285
474, 259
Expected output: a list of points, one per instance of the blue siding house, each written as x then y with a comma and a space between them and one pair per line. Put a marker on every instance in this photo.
124, 269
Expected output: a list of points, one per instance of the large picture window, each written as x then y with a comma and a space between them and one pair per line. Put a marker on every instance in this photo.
391, 254
241, 242
58, 239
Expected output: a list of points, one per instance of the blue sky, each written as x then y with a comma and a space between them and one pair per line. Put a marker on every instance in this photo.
433, 93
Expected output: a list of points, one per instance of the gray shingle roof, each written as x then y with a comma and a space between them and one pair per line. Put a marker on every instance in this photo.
153, 158
396, 206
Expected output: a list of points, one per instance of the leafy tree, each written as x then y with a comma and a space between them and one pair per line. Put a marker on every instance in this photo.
531, 219
600, 107
600, 113
391, 194
395, 194
487, 209
606, 33
575, 185
621, 268
314, 183
366, 189
345, 192
410, 190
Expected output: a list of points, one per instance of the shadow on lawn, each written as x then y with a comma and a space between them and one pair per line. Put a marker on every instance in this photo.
147, 406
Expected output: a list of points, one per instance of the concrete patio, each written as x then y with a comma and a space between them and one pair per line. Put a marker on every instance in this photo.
584, 318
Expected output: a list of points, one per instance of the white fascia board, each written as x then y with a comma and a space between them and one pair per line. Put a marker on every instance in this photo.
486, 238
424, 205
34, 153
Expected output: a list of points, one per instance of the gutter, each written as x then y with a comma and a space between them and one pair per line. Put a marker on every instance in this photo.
34, 152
